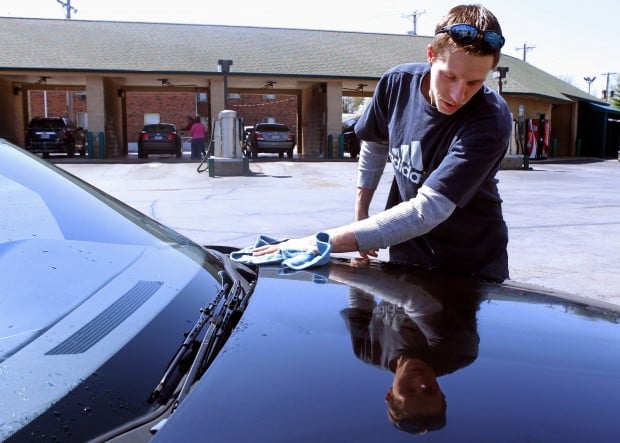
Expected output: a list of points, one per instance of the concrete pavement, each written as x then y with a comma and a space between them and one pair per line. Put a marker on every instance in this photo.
563, 216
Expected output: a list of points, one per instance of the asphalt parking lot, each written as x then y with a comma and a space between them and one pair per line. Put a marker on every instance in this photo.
563, 216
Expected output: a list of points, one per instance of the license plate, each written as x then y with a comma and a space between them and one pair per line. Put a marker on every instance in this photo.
158, 137
45, 135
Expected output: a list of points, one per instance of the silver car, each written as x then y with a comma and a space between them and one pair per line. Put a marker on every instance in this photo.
272, 138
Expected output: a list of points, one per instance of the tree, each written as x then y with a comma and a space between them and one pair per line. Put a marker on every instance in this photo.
615, 98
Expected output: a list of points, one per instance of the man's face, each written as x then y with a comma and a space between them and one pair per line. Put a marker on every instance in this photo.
455, 77
416, 388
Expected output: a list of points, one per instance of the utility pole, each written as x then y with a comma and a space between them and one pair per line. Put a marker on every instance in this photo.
607, 74
68, 7
414, 18
525, 48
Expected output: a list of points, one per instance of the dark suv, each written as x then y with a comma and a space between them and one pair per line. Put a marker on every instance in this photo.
46, 135
351, 142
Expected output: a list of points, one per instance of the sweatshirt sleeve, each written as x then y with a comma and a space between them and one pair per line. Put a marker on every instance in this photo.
371, 164
404, 221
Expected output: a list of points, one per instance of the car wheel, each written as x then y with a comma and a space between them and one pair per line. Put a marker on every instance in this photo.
179, 153
289, 153
142, 154
354, 148
70, 149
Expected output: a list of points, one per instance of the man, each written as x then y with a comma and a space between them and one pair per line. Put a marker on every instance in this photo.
419, 327
445, 133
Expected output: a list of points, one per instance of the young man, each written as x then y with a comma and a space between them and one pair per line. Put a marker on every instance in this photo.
445, 133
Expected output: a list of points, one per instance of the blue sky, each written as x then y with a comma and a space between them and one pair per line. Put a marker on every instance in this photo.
569, 41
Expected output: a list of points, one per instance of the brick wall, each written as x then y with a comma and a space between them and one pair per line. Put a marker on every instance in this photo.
57, 104
173, 107
255, 108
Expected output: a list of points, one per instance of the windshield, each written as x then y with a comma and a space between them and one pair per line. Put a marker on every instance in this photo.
81, 274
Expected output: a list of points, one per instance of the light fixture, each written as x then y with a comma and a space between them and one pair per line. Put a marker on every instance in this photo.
269, 85
120, 92
42, 80
165, 82
500, 74
16, 90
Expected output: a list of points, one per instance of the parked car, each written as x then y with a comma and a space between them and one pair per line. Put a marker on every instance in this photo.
114, 327
351, 141
159, 138
272, 138
46, 135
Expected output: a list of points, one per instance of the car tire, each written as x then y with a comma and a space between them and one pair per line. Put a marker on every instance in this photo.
289, 153
70, 148
179, 153
142, 154
354, 148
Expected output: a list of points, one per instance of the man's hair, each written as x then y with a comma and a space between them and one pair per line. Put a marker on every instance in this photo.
476, 15
417, 424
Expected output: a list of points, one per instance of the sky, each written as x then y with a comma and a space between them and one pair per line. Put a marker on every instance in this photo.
564, 39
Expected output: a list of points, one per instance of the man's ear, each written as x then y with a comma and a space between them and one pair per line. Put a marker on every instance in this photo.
388, 394
430, 56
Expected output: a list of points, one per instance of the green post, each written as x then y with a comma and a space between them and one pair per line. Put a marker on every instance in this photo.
101, 145
341, 145
554, 148
578, 147
330, 145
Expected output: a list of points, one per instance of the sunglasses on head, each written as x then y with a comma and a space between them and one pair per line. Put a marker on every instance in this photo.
465, 34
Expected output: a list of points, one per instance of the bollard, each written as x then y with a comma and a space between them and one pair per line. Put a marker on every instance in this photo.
554, 148
578, 147
101, 145
330, 145
341, 145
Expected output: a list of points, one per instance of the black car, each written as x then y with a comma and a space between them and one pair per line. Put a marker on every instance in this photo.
47, 135
159, 138
272, 138
113, 327
350, 140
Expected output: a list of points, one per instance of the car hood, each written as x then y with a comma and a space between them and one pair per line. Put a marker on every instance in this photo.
315, 353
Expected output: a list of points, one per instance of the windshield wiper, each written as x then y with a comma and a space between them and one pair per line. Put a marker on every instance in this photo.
221, 315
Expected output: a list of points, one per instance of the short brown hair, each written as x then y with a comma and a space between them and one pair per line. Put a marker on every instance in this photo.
476, 15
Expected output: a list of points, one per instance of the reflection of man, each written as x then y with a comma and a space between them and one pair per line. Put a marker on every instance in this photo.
423, 327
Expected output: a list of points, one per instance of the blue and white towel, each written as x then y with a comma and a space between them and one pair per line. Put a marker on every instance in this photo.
289, 258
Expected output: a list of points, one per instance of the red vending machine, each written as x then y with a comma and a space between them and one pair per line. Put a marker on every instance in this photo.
538, 137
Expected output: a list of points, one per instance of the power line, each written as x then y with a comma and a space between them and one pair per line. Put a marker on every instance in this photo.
525, 48
414, 18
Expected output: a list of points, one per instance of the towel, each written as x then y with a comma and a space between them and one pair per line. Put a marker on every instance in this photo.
296, 259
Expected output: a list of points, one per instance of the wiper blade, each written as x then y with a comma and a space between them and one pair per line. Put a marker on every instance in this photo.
205, 315
221, 315
221, 325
